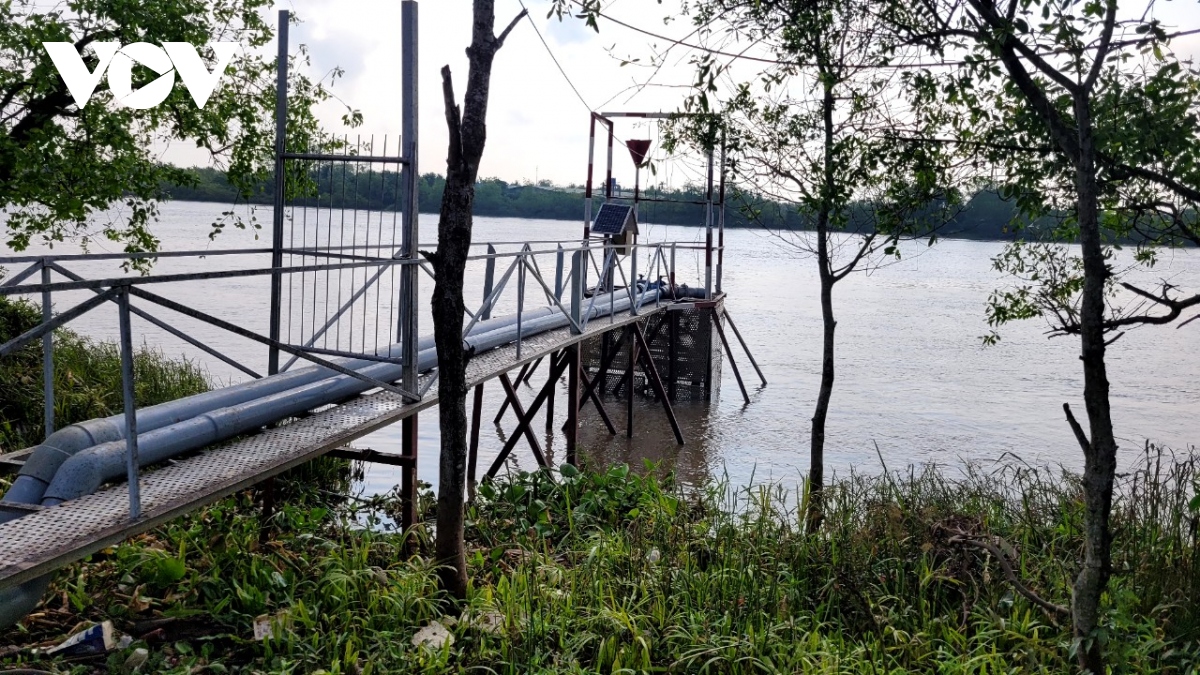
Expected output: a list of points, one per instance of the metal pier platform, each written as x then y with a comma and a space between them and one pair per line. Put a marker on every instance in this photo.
49, 538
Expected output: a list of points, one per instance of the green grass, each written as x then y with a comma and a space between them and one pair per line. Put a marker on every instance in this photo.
87, 379
618, 572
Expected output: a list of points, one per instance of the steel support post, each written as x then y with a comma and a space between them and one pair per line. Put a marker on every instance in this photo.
672, 277
473, 448
578, 267
573, 403
47, 356
553, 384
651, 372
558, 274
708, 231
131, 440
746, 349
721, 218
729, 352
520, 302
408, 473
281, 66
409, 298
633, 289
409, 325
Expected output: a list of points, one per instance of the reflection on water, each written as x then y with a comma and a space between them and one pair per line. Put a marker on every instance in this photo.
913, 377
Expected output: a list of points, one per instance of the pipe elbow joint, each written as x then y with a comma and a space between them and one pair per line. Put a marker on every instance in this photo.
50, 454
80, 475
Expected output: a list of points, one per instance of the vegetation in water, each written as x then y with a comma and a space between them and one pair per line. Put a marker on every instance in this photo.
620, 572
87, 378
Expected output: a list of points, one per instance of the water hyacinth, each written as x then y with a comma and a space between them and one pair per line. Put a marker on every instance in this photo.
636, 574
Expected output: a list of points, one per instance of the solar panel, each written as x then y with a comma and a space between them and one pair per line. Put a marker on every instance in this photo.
610, 219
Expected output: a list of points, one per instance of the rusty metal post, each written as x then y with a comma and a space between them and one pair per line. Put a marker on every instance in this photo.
408, 472
553, 384
473, 451
573, 403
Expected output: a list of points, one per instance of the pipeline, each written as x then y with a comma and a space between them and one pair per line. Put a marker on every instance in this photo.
76, 460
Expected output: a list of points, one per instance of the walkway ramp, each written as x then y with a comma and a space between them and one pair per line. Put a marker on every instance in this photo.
49, 538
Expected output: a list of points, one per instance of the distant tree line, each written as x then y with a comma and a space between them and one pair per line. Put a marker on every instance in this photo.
986, 215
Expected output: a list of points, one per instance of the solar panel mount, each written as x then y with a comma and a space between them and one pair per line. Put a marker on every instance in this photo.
612, 219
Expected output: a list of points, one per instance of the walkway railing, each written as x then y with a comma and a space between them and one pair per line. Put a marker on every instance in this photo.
574, 261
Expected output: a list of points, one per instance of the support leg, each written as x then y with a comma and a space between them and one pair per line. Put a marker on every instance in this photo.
473, 451
625, 379
746, 349
504, 406
729, 352
523, 424
590, 392
532, 369
408, 474
656, 382
573, 375
553, 384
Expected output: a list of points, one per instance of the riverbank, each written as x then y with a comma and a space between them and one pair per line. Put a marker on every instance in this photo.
984, 216
620, 571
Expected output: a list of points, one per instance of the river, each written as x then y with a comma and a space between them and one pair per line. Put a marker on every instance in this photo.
915, 384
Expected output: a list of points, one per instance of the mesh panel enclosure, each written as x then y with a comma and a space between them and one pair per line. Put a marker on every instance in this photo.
683, 344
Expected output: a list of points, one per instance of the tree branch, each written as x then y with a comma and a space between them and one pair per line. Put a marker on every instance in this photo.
453, 119
1185, 191
1053, 612
1060, 130
1110, 20
511, 24
1079, 435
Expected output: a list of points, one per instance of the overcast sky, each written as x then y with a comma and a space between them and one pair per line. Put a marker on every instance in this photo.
537, 127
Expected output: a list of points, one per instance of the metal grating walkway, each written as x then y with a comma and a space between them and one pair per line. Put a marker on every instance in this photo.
50, 538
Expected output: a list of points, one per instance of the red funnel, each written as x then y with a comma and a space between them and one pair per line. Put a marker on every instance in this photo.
638, 150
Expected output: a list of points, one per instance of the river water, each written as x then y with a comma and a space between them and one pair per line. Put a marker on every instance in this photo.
915, 384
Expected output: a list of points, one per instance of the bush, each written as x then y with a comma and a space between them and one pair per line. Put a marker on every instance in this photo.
87, 378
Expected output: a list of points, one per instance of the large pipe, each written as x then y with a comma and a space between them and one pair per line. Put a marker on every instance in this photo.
86, 471
46, 458
43, 463
88, 467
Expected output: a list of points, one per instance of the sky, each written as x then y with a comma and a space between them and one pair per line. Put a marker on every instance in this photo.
537, 126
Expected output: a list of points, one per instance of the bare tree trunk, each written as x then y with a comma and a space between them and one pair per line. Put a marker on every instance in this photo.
1100, 453
816, 470
468, 134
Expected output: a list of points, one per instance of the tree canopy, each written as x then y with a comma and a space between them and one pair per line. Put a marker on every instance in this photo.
61, 163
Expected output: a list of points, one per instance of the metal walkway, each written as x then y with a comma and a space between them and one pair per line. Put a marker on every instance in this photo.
49, 538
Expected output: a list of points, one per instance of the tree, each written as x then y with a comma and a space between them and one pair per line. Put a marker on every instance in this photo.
815, 131
60, 163
1092, 119
468, 133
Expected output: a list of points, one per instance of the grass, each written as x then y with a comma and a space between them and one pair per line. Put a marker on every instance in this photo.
87, 379
619, 572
